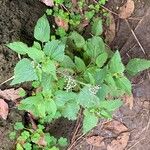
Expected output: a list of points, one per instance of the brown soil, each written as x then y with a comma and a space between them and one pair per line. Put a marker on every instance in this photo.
17, 20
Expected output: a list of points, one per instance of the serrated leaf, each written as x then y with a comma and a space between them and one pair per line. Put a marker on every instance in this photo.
12, 135
97, 28
70, 110
18, 126
27, 146
18, 47
62, 97
35, 54
62, 142
106, 114
89, 121
110, 105
24, 71
100, 75
115, 64
137, 65
42, 29
101, 59
103, 91
49, 68
50, 107
94, 47
67, 62
87, 99
80, 65
78, 39
55, 50
124, 84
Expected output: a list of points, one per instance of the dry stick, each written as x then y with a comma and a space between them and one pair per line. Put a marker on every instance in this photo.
135, 37
70, 147
7, 80
76, 127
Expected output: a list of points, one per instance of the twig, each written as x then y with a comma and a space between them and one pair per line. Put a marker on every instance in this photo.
7, 80
70, 147
136, 143
135, 37
78, 123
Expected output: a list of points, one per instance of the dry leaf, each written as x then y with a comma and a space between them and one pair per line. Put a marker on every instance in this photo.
61, 23
120, 143
95, 141
10, 94
48, 2
111, 30
128, 99
127, 9
3, 109
115, 127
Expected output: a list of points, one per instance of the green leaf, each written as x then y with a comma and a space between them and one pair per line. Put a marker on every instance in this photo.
55, 50
32, 104
100, 75
12, 135
24, 71
22, 92
103, 92
110, 105
42, 29
35, 54
62, 142
70, 110
18, 126
115, 64
124, 84
35, 137
18, 47
67, 62
80, 65
78, 39
62, 97
25, 134
54, 148
19, 147
101, 59
27, 146
106, 114
137, 65
89, 121
87, 99
50, 107
97, 28
49, 68
95, 46
37, 45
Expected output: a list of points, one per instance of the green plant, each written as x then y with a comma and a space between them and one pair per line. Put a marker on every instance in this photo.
75, 14
35, 139
72, 73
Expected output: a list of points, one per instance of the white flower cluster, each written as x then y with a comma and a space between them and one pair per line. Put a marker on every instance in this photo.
71, 83
94, 89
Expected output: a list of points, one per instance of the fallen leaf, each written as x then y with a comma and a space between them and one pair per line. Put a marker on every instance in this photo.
48, 2
128, 99
95, 141
120, 143
10, 94
127, 9
61, 23
3, 109
111, 30
115, 127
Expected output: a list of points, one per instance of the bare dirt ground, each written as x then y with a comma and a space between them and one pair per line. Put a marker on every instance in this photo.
17, 20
